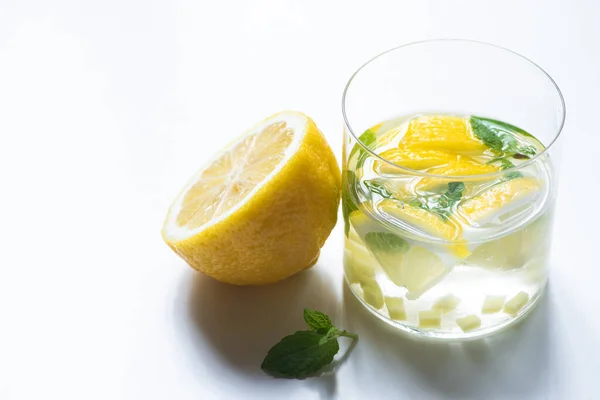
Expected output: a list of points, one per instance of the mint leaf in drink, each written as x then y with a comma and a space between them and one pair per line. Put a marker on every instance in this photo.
386, 242
367, 138
500, 137
443, 205
525, 151
378, 188
504, 125
482, 131
348, 201
317, 321
505, 164
454, 192
304, 353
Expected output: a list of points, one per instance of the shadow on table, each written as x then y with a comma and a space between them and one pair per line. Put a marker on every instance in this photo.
243, 323
510, 364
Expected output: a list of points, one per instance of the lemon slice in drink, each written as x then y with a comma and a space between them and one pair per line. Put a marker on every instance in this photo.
429, 223
463, 167
261, 209
441, 132
418, 159
499, 200
412, 266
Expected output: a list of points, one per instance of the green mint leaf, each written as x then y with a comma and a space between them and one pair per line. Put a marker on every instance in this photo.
348, 201
349, 178
486, 135
455, 191
509, 143
513, 175
443, 204
317, 321
330, 334
505, 164
500, 137
304, 353
300, 355
379, 188
505, 126
528, 150
367, 139
385, 242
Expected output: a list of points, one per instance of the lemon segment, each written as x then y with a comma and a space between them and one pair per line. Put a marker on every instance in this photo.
499, 200
514, 250
414, 267
428, 223
359, 264
417, 159
463, 167
441, 132
261, 209
421, 219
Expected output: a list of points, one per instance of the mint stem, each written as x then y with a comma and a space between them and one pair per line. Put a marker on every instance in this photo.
348, 334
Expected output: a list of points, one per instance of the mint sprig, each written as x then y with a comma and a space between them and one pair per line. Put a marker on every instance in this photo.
444, 203
378, 188
317, 321
303, 353
348, 200
498, 136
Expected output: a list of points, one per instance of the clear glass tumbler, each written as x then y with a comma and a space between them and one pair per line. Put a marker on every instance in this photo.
449, 179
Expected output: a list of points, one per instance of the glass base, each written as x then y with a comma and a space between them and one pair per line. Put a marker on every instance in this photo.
433, 333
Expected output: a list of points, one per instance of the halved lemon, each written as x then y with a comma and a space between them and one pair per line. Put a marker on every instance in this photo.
262, 208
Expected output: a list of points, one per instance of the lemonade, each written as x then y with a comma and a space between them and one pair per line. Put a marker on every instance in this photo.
447, 222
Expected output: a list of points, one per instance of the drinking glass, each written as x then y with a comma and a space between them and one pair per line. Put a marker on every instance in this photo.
396, 261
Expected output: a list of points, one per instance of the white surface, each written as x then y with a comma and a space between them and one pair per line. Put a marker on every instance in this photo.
108, 107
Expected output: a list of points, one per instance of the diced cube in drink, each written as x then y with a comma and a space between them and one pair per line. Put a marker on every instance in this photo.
492, 304
447, 303
468, 323
430, 318
514, 305
372, 293
395, 306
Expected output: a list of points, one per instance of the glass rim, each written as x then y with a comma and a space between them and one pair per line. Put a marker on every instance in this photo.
464, 177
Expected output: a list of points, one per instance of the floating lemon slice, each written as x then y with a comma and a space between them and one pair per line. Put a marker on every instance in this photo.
429, 223
463, 167
499, 200
417, 159
441, 132
514, 250
412, 266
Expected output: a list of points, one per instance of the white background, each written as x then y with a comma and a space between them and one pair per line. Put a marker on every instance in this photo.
106, 109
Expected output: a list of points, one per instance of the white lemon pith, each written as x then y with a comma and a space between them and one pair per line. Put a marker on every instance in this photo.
261, 209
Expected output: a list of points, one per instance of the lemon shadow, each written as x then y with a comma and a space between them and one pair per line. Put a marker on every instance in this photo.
514, 363
241, 324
